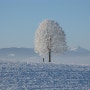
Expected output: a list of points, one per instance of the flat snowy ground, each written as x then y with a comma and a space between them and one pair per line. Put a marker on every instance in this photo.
43, 76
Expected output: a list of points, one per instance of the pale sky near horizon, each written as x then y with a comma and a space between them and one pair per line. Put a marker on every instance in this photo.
19, 20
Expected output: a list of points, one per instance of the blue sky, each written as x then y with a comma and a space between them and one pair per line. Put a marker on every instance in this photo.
19, 20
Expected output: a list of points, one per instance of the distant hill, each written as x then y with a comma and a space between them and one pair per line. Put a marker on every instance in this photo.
73, 55
79, 51
17, 53
29, 52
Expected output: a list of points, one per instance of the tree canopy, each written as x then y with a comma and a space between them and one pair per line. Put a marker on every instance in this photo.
49, 37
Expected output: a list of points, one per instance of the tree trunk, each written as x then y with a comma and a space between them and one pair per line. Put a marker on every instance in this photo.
43, 59
50, 56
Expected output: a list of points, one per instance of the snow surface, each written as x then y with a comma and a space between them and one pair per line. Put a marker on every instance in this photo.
43, 76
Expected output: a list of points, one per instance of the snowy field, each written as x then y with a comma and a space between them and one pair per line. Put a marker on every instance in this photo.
43, 76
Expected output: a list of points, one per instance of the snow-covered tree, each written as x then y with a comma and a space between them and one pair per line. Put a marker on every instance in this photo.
49, 37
